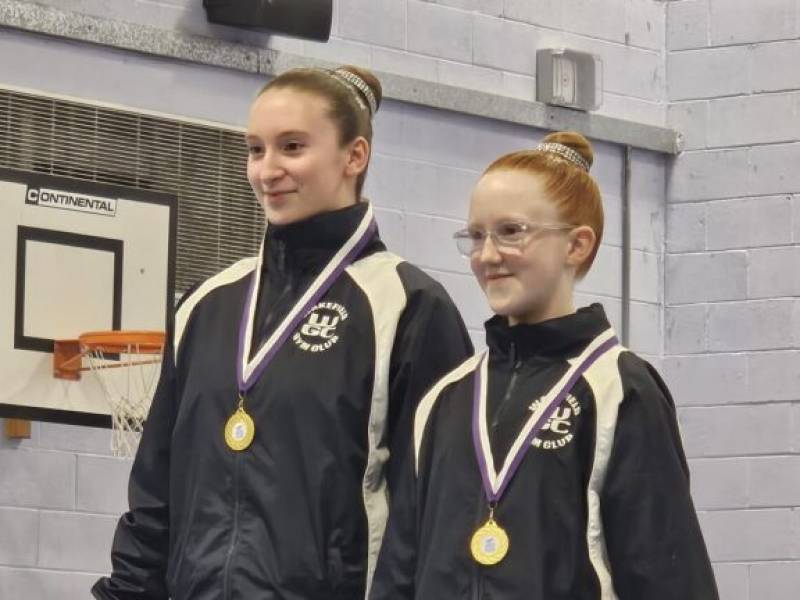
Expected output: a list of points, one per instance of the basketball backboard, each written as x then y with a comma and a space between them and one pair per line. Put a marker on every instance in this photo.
79, 256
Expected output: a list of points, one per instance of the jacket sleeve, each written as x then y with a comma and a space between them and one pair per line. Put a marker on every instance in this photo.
655, 546
141, 542
432, 340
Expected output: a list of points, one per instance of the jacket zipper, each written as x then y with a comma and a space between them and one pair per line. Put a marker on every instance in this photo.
226, 591
477, 579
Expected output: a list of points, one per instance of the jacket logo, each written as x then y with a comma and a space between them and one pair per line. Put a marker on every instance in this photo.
318, 331
560, 427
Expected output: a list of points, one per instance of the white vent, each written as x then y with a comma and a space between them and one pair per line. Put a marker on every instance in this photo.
219, 221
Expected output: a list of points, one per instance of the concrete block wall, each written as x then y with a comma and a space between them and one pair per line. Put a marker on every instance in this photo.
732, 314
488, 45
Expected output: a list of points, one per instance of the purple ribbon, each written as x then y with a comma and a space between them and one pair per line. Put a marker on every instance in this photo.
492, 496
245, 383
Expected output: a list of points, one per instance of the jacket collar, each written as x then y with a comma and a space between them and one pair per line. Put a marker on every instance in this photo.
563, 336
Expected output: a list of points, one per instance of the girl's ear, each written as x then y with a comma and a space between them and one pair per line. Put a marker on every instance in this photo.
582, 240
357, 157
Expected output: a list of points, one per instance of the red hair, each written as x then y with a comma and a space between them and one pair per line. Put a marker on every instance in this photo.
574, 192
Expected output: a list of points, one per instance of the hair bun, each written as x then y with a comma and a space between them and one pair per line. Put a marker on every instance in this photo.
573, 140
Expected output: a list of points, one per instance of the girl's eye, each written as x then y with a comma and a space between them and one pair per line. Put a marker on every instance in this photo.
254, 149
292, 146
511, 229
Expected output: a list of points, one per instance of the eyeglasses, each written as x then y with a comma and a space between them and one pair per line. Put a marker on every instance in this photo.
509, 238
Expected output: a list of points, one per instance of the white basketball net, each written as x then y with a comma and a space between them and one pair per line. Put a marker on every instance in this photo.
128, 384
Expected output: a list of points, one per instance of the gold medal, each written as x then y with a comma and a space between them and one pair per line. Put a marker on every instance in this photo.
239, 429
489, 544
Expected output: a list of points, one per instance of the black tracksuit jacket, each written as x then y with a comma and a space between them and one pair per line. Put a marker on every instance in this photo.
600, 506
301, 513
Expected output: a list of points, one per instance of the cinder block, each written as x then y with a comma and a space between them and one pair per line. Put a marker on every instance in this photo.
607, 167
595, 19
76, 542
39, 584
774, 272
517, 53
719, 483
605, 277
645, 334
796, 218
648, 195
736, 430
646, 277
339, 51
439, 31
470, 76
619, 62
749, 222
487, 7
649, 112
455, 139
37, 479
391, 224
404, 63
519, 86
93, 71
402, 184
686, 227
710, 174
755, 325
775, 481
774, 376
706, 277
708, 73
612, 219
19, 527
710, 379
685, 329
545, 13
774, 169
732, 578
102, 484
379, 22
687, 24
741, 22
73, 438
467, 295
775, 66
646, 23
690, 119
388, 127
429, 243
760, 119
756, 535
453, 193
775, 581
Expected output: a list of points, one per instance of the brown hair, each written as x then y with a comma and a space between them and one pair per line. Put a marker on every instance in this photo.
351, 118
575, 192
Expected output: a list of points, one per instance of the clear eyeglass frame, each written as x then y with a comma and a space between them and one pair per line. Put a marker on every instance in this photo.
509, 238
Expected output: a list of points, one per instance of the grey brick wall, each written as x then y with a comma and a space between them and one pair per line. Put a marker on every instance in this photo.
732, 326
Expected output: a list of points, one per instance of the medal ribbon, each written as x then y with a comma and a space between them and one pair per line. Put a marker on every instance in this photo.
248, 371
495, 484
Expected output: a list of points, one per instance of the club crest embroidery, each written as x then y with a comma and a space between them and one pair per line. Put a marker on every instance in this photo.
560, 428
320, 330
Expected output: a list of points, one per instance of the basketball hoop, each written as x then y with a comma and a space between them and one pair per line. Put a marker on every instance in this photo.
126, 365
